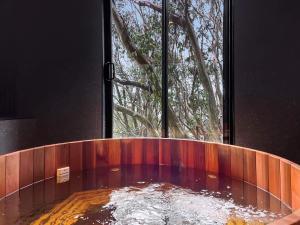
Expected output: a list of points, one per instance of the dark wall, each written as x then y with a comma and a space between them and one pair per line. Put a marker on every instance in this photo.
17, 134
53, 48
267, 76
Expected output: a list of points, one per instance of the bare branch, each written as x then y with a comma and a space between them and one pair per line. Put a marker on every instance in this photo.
134, 83
139, 117
122, 30
142, 61
186, 24
172, 16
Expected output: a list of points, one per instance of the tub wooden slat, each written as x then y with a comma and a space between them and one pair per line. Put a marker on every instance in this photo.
275, 205
127, 152
39, 164
26, 168
169, 152
291, 219
224, 160
199, 153
76, 156
212, 183
136, 151
165, 152
114, 152
175, 152
108, 153
237, 162
62, 155
101, 153
151, 151
285, 182
237, 189
190, 155
250, 194
274, 176
2, 176
62, 191
39, 193
211, 158
263, 199
184, 155
12, 173
295, 186
262, 170
50, 191
50, 161
89, 155
27, 199
250, 167
190, 150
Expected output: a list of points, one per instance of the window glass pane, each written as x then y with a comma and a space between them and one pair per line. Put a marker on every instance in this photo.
137, 57
195, 69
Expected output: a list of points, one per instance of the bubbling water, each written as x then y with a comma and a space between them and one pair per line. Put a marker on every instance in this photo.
146, 195
163, 203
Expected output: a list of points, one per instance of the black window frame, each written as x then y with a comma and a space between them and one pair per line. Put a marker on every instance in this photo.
228, 72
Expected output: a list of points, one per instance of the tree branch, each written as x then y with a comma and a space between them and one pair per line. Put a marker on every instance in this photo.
137, 116
134, 83
142, 61
172, 16
132, 49
186, 24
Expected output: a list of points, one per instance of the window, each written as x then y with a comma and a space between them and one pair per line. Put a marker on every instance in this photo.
137, 57
194, 68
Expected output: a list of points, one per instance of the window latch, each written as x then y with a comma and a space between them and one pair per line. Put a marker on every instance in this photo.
109, 70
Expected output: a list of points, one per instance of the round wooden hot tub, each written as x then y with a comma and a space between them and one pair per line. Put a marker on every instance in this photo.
278, 176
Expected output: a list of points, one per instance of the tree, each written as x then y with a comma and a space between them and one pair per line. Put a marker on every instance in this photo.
195, 68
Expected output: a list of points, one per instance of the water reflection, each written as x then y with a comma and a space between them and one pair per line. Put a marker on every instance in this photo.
30, 203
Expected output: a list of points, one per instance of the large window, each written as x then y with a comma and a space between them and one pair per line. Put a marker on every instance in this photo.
194, 68
137, 57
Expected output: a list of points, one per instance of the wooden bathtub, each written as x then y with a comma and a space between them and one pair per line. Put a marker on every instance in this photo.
271, 173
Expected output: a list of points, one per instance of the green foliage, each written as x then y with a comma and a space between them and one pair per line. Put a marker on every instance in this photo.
188, 99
